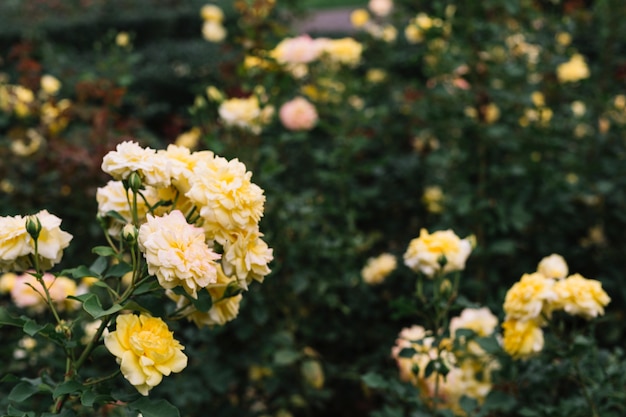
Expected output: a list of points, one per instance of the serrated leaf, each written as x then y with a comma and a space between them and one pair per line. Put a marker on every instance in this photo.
155, 408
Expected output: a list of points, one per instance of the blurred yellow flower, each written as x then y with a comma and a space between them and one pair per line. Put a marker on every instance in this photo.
413, 34
375, 75
213, 31
49, 84
480, 320
7, 282
145, 349
189, 139
553, 266
579, 296
359, 17
575, 69
578, 108
377, 269
211, 12
528, 297
122, 39
345, 51
538, 99
128, 157
433, 199
380, 7
563, 38
522, 339
28, 145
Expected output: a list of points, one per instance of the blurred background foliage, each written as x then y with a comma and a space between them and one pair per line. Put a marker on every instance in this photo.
470, 129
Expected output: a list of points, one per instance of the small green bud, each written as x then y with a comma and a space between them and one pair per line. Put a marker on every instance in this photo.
134, 181
33, 226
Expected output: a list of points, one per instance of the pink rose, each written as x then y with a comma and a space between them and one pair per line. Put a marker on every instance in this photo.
298, 114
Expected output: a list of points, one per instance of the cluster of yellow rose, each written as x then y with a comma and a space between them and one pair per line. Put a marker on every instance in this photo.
42, 105
441, 251
469, 367
530, 302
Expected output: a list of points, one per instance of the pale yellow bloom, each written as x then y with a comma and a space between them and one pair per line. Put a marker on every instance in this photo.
491, 113
575, 69
241, 112
480, 320
213, 31
182, 164
346, 51
563, 38
50, 85
114, 197
28, 145
52, 240
426, 252
375, 75
176, 253
212, 12
189, 139
7, 282
359, 18
579, 296
538, 99
129, 157
122, 39
222, 310
433, 199
214, 94
229, 201
145, 349
553, 266
247, 257
522, 339
299, 50
413, 33
578, 108
528, 297
377, 269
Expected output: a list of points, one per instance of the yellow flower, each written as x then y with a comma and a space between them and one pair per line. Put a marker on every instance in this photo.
28, 145
241, 112
7, 282
122, 39
491, 113
299, 50
214, 94
345, 51
426, 252
433, 199
413, 33
247, 257
563, 38
213, 31
527, 298
538, 99
129, 157
579, 296
375, 75
176, 253
480, 320
228, 200
49, 84
573, 70
145, 349
380, 7
212, 12
522, 338
114, 197
553, 266
359, 18
578, 108
189, 139
377, 269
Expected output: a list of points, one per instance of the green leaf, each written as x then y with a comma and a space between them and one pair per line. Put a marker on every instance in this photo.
31, 327
155, 408
93, 306
23, 391
204, 302
119, 270
67, 387
116, 215
374, 380
7, 319
490, 344
14, 412
80, 272
407, 353
89, 398
103, 251
99, 265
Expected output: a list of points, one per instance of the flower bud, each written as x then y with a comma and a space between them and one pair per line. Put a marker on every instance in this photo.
134, 181
129, 233
33, 226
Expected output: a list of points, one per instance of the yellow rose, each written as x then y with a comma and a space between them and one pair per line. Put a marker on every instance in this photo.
145, 349
579, 296
129, 157
359, 18
426, 252
241, 112
211, 12
573, 70
522, 339
377, 269
49, 84
176, 252
247, 257
528, 297
345, 51
553, 266
213, 31
480, 320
